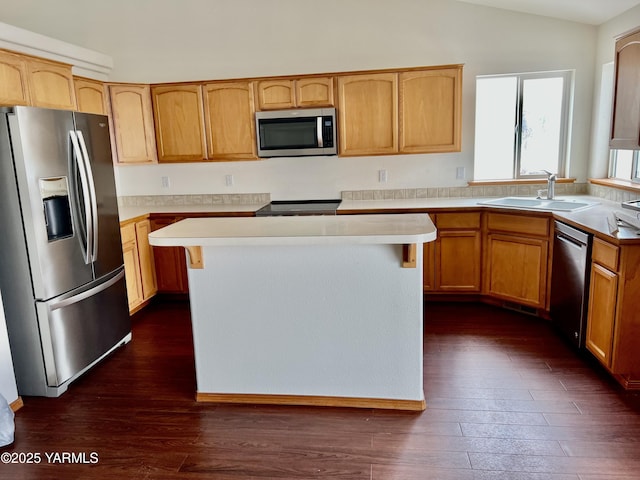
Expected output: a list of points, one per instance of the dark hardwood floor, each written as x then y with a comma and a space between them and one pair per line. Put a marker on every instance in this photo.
506, 400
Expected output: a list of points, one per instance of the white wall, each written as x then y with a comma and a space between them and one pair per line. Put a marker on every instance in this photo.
354, 35
605, 52
165, 40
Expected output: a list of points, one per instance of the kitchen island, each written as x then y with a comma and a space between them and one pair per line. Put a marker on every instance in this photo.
317, 310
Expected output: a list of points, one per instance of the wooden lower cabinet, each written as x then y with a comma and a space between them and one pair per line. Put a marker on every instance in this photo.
453, 262
429, 266
458, 259
147, 265
517, 269
170, 262
602, 313
138, 263
132, 274
517, 258
613, 321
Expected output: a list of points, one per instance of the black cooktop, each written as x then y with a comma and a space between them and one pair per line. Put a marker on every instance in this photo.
299, 207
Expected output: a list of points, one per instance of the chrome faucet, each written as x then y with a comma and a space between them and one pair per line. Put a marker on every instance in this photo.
551, 185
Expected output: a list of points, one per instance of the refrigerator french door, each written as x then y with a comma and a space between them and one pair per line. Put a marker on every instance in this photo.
61, 270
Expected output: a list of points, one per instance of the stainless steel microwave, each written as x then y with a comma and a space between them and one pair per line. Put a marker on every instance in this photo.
296, 132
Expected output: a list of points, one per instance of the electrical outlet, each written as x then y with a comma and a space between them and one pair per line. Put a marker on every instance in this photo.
228, 180
165, 182
460, 173
382, 176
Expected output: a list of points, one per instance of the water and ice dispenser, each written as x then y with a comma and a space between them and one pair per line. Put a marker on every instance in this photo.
57, 210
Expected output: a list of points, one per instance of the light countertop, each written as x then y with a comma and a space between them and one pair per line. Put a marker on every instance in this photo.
128, 213
594, 219
305, 230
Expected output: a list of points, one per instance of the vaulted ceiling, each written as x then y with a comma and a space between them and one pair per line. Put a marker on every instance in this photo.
593, 12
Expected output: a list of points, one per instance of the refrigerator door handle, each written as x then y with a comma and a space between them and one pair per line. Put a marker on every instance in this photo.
85, 194
94, 201
65, 302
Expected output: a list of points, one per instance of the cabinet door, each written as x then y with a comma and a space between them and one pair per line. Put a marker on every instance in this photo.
179, 123
368, 111
170, 263
428, 266
133, 123
625, 123
602, 312
458, 261
430, 111
275, 94
51, 85
131, 265
90, 96
315, 92
516, 269
14, 86
145, 254
229, 120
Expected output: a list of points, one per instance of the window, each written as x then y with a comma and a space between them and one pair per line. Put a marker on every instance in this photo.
521, 125
625, 165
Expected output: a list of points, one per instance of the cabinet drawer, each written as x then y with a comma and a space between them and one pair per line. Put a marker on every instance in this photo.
605, 254
458, 220
128, 233
518, 224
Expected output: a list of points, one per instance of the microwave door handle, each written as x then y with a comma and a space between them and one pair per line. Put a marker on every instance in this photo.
92, 194
319, 131
84, 186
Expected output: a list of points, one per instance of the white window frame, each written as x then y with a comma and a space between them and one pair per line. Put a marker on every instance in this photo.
566, 115
633, 175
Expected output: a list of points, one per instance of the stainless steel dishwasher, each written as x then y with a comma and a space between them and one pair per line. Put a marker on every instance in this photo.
570, 281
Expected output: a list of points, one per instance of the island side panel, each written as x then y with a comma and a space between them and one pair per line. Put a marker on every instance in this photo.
308, 320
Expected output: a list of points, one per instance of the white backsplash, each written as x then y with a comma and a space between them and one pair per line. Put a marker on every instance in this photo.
475, 191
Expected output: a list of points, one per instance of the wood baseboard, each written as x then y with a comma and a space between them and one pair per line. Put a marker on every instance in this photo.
313, 401
632, 384
17, 404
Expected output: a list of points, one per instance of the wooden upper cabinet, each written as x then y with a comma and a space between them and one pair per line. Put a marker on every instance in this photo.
14, 85
90, 96
229, 120
430, 110
625, 123
179, 123
315, 92
275, 94
368, 114
51, 84
305, 92
133, 123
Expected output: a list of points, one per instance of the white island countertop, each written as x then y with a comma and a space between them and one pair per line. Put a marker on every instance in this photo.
297, 230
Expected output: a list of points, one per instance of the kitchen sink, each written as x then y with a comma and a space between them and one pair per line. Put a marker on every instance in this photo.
539, 203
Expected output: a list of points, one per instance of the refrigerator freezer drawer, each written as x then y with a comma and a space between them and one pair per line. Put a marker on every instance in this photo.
81, 326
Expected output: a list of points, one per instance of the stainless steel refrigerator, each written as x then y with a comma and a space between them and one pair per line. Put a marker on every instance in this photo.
61, 266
